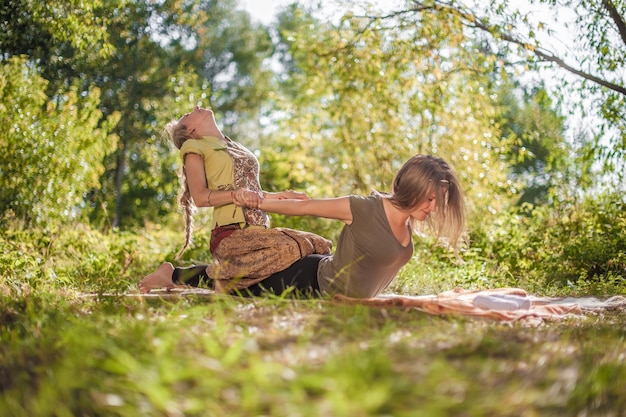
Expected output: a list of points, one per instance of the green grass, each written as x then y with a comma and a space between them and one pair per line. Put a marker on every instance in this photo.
68, 349
201, 356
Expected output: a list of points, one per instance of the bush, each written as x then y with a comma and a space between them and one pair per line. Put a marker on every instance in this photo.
580, 246
79, 258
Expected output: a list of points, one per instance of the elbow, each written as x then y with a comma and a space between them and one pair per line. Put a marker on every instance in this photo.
199, 202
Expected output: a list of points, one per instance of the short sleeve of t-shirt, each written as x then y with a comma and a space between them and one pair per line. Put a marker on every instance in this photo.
218, 164
219, 171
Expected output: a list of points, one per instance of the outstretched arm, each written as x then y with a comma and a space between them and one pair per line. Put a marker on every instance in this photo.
331, 208
204, 197
283, 195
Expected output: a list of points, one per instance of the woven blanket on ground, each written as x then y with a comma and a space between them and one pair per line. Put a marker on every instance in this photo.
505, 304
250, 255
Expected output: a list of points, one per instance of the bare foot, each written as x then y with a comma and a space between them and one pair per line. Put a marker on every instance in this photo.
161, 278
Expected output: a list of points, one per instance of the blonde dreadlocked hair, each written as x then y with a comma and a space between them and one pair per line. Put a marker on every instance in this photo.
179, 133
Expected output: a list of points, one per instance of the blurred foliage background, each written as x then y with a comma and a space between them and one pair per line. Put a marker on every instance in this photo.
331, 106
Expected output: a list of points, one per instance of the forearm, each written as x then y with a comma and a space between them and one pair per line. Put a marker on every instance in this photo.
285, 195
271, 195
330, 208
290, 207
212, 198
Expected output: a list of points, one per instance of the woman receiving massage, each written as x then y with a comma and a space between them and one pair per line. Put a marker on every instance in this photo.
245, 250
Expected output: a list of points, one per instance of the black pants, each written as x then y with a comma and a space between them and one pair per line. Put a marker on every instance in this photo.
301, 277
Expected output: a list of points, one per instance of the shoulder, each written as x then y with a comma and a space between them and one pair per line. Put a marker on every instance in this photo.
361, 205
364, 207
361, 201
201, 146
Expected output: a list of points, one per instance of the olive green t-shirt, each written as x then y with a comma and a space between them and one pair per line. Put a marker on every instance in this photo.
228, 165
367, 256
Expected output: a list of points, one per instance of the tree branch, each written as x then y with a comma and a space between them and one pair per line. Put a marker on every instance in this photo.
617, 19
544, 54
548, 56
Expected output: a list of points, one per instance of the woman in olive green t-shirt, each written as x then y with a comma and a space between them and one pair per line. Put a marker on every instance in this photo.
375, 241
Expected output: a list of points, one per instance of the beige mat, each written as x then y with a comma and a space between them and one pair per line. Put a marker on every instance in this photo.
462, 302
455, 302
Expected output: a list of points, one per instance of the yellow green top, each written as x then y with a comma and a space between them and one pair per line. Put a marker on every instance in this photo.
228, 166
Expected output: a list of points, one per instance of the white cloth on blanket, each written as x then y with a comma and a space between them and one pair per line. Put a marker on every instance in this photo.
584, 303
505, 302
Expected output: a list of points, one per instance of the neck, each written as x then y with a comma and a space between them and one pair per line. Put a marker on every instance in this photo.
212, 132
209, 128
395, 215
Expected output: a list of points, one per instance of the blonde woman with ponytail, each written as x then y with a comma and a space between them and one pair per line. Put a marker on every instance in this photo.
376, 239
